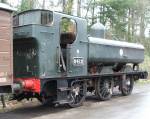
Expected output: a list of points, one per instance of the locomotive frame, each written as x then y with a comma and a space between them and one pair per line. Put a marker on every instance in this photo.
52, 64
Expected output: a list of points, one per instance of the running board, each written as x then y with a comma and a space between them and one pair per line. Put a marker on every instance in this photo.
139, 74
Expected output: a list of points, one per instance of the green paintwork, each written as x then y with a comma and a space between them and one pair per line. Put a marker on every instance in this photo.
37, 47
44, 60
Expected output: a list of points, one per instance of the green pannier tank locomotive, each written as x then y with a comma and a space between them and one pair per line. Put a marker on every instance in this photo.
57, 62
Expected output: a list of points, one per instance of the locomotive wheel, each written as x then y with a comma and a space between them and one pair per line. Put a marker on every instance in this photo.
77, 93
126, 85
104, 89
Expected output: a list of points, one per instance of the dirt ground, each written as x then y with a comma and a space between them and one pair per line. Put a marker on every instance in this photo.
135, 106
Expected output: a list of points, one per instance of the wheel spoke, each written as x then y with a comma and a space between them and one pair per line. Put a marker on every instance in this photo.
105, 93
127, 86
78, 93
104, 89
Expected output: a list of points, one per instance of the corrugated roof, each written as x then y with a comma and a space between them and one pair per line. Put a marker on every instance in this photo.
6, 7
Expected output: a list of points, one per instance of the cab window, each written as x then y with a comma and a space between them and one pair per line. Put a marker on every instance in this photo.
67, 31
46, 18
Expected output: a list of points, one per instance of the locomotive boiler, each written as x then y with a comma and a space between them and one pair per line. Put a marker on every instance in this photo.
57, 62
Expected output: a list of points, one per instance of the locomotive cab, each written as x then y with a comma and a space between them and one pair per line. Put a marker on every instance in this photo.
26, 45
56, 38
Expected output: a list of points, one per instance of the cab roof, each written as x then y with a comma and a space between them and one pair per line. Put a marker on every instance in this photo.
24, 12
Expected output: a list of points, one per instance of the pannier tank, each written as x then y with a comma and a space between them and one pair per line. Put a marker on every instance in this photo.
103, 50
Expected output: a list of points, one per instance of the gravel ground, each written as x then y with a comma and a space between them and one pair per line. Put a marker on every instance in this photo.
135, 106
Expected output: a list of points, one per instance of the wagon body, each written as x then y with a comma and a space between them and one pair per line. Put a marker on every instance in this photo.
6, 57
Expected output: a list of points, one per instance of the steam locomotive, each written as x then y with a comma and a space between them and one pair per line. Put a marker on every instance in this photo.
56, 61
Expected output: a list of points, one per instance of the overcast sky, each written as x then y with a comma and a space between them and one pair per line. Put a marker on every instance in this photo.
14, 2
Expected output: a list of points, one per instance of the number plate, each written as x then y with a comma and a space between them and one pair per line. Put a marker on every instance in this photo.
78, 61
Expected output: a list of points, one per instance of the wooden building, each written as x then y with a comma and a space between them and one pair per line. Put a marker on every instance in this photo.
6, 48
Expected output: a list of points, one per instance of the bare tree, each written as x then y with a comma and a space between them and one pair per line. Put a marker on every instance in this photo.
63, 5
79, 8
43, 4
